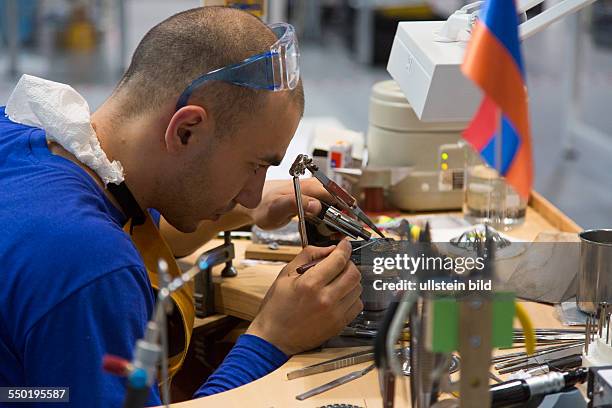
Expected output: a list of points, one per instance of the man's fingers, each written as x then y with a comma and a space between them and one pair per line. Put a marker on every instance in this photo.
353, 311
313, 188
284, 207
351, 297
345, 282
310, 253
330, 267
312, 206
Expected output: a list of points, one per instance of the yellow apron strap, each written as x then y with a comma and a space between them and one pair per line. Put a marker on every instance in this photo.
152, 247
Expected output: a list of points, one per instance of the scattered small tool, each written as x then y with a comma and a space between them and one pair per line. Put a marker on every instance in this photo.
556, 360
333, 364
522, 355
558, 364
335, 383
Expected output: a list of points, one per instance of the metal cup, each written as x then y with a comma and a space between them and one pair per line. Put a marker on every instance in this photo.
595, 276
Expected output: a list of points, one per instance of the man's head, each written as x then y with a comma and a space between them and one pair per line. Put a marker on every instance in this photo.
213, 153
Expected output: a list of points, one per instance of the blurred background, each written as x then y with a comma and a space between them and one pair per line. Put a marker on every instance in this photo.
345, 45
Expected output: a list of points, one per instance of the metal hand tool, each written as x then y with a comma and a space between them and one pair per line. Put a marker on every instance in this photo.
587, 335
525, 357
336, 363
551, 338
296, 171
542, 359
522, 355
301, 269
335, 383
333, 364
343, 198
358, 332
495, 378
336, 220
550, 331
559, 364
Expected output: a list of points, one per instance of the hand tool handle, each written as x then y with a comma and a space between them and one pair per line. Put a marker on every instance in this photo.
301, 269
333, 188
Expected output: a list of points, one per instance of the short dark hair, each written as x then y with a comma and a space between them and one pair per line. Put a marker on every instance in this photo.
188, 44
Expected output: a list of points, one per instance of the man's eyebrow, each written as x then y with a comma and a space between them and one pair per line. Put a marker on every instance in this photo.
272, 160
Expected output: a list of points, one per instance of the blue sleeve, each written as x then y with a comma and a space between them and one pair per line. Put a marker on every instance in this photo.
155, 215
250, 359
66, 346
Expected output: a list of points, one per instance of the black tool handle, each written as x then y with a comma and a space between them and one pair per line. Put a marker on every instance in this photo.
509, 393
565, 363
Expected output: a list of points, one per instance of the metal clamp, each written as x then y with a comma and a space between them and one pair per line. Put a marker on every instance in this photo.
204, 294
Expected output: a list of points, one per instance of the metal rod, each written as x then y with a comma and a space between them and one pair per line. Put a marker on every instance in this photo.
300, 208
587, 330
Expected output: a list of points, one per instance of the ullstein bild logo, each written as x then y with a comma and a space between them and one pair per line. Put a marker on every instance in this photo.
432, 285
412, 264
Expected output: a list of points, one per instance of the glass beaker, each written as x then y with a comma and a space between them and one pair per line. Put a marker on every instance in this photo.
488, 198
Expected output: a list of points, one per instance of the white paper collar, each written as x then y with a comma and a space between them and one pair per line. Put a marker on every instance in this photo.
65, 116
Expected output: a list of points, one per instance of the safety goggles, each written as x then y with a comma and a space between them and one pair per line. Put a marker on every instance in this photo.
275, 70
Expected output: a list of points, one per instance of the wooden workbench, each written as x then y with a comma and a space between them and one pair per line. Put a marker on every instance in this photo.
241, 297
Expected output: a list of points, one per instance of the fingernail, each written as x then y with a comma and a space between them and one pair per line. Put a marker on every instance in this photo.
311, 206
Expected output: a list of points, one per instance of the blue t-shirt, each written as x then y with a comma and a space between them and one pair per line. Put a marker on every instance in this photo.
73, 287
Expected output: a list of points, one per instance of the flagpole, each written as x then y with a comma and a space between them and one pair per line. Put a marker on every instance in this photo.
501, 205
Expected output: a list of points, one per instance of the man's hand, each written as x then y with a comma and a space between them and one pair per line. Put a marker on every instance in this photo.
300, 312
278, 204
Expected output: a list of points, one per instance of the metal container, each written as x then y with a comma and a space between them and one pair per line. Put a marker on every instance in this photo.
595, 275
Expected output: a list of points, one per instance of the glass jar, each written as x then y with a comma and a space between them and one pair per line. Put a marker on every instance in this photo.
488, 198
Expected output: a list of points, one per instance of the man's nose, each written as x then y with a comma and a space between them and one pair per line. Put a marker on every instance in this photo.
250, 195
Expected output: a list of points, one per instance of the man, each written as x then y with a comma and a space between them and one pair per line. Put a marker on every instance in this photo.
74, 285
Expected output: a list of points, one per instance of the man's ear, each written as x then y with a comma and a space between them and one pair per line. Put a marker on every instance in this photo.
188, 121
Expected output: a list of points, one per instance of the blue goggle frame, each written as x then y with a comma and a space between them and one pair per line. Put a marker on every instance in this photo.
275, 70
